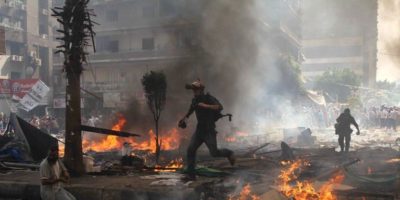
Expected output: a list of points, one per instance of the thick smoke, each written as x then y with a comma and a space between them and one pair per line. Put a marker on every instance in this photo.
243, 62
389, 40
248, 67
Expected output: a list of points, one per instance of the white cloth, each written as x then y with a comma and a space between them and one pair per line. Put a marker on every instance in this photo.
55, 191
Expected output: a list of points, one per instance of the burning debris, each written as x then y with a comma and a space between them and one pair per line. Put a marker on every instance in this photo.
245, 194
172, 166
291, 187
169, 140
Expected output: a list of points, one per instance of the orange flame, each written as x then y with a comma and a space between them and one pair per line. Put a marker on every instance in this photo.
111, 142
305, 190
326, 190
61, 148
246, 194
169, 140
172, 166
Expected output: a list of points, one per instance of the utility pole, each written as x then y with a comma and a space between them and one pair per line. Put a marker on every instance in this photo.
77, 32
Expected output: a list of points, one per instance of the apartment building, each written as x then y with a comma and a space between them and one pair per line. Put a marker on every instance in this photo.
340, 34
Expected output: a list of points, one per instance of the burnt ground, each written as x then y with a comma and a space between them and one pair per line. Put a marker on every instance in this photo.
260, 171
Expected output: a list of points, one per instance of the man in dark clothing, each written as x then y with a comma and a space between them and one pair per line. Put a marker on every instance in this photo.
207, 109
344, 121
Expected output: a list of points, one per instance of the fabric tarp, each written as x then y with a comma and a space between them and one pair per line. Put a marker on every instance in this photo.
316, 98
374, 179
37, 142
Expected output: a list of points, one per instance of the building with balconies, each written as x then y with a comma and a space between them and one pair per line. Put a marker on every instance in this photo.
136, 36
133, 37
26, 41
340, 34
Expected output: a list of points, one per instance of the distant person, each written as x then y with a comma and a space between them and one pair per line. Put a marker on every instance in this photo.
344, 121
2, 121
206, 108
52, 176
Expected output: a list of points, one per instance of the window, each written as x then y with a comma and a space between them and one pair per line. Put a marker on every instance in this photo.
148, 43
168, 7
148, 11
101, 43
113, 46
15, 75
43, 29
112, 16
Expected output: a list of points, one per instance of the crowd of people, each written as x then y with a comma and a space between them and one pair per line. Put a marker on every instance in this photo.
46, 123
381, 117
4, 119
378, 117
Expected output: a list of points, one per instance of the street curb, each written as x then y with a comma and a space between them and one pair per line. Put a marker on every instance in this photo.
29, 191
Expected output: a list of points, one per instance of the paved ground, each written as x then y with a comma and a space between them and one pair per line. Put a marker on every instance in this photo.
23, 184
373, 147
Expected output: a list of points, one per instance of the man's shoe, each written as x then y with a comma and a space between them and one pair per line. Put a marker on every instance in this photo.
232, 159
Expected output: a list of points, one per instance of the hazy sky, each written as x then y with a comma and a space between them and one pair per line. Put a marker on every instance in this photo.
389, 40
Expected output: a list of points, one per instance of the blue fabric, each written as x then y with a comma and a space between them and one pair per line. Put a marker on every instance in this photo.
12, 152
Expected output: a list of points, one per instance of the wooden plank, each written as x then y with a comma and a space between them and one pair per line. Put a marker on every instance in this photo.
108, 131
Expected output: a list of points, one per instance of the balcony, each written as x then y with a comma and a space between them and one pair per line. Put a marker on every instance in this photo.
100, 2
15, 4
97, 87
134, 56
100, 87
138, 24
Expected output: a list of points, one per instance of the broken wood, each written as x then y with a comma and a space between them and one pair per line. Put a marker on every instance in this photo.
287, 152
108, 131
268, 152
161, 168
20, 165
253, 151
335, 170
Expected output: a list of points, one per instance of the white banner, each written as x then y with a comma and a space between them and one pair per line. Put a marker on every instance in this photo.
34, 97
40, 90
28, 103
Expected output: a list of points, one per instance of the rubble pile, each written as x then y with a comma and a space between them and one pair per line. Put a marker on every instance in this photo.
305, 167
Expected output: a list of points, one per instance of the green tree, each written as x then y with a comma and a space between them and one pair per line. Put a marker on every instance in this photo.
155, 88
338, 83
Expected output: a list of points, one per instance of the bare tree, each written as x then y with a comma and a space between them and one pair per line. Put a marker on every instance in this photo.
77, 33
155, 88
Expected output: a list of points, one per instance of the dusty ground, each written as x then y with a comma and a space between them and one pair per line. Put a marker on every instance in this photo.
374, 148
260, 172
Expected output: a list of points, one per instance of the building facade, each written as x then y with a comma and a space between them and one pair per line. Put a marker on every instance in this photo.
26, 41
340, 34
133, 38
136, 36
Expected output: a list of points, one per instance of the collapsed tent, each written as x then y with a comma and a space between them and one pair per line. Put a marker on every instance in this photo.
34, 142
